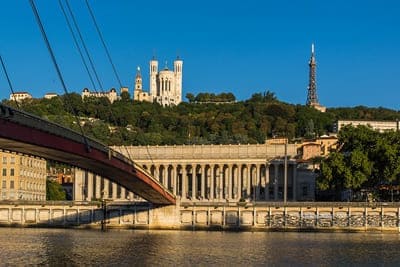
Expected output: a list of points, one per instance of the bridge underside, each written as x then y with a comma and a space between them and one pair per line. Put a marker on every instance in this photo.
23, 139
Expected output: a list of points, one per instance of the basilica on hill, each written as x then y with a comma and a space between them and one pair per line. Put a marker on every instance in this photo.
165, 85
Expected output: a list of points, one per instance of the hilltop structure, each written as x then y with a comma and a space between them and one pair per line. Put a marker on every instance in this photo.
312, 98
19, 96
380, 126
165, 85
111, 95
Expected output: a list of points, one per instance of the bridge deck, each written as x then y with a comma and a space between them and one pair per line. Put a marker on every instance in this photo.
25, 133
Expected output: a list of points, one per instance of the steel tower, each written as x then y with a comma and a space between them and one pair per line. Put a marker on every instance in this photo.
312, 99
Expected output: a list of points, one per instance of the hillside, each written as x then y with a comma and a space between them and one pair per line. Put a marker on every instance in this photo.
140, 123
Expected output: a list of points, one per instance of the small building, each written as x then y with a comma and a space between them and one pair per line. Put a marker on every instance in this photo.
381, 126
50, 95
318, 147
22, 177
19, 96
111, 95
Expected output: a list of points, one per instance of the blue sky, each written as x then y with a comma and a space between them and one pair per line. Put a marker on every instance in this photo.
235, 46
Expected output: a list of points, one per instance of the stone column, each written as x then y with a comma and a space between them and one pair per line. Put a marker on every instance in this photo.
90, 187
173, 179
294, 184
266, 187
194, 179
212, 178
184, 180
248, 180
230, 184
114, 191
203, 184
98, 187
257, 181
123, 193
78, 184
221, 182
238, 183
130, 196
276, 181
164, 175
157, 172
106, 194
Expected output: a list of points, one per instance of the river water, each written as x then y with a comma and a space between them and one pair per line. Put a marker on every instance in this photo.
68, 247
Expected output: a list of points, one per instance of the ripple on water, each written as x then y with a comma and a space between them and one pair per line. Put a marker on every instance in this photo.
54, 247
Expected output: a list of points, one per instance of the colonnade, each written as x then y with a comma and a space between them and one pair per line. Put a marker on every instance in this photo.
201, 182
226, 181
88, 186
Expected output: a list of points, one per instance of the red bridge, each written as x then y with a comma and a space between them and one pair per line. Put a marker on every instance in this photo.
28, 134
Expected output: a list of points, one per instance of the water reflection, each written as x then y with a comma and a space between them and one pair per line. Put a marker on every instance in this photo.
53, 247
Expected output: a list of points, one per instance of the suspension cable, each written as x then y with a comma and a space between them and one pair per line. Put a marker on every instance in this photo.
77, 44
53, 58
9, 81
94, 69
104, 44
84, 46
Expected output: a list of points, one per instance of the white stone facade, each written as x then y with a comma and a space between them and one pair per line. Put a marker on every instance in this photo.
209, 173
216, 173
165, 85
22, 177
19, 96
111, 95
381, 126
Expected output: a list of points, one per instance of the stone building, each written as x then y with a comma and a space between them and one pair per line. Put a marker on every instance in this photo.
138, 93
209, 173
22, 177
224, 172
111, 95
381, 126
165, 85
19, 96
318, 147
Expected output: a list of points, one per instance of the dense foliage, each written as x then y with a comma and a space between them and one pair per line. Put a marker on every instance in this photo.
366, 159
207, 119
54, 191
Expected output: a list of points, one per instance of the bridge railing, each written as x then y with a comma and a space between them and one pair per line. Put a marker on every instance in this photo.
36, 122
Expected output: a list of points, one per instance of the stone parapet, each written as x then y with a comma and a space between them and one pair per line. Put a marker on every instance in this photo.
263, 216
208, 152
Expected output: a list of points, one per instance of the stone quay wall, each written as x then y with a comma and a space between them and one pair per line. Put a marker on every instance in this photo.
267, 216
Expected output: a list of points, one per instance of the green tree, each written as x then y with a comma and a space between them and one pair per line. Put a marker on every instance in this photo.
54, 191
190, 97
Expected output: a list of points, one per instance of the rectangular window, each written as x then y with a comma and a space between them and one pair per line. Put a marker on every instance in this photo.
4, 184
12, 172
12, 184
4, 172
12, 160
4, 160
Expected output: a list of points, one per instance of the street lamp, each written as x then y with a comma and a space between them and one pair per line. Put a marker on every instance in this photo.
285, 176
